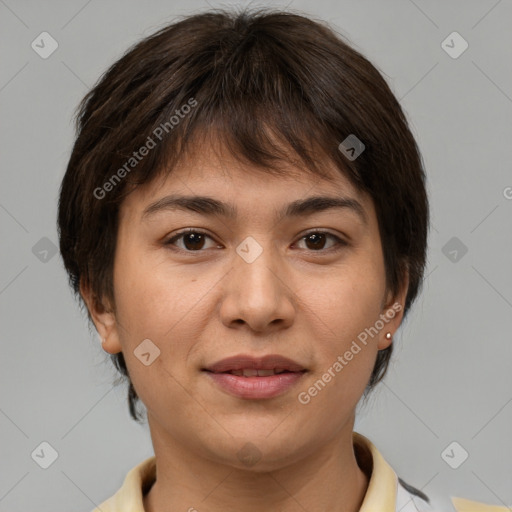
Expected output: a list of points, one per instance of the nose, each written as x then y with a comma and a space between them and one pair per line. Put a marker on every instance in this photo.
258, 295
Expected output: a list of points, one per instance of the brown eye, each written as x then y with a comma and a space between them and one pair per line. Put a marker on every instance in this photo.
316, 240
192, 240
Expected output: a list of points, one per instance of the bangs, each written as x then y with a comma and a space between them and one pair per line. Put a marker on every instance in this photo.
270, 144
249, 99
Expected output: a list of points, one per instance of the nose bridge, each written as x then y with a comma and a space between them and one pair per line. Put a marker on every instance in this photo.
256, 267
257, 294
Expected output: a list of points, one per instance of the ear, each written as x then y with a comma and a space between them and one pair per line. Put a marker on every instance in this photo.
393, 313
104, 319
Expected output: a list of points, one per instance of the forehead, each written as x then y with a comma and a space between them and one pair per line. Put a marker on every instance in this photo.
216, 172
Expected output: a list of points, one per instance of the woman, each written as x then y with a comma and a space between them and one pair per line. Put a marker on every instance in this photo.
244, 215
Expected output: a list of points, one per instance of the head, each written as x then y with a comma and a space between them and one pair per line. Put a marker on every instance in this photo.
251, 110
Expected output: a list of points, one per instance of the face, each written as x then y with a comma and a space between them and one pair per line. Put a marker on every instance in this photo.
263, 287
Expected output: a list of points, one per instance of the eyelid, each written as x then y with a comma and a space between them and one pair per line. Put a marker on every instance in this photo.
323, 231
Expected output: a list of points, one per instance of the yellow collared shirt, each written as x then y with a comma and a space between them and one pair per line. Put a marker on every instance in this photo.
385, 492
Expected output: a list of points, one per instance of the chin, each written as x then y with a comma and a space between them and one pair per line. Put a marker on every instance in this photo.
257, 452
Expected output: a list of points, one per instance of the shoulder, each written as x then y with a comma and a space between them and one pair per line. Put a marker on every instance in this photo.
410, 499
130, 496
463, 505
387, 492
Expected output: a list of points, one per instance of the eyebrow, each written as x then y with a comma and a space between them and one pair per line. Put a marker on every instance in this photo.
212, 207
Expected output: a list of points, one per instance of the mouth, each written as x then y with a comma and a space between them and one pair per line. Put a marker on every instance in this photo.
252, 372
255, 366
255, 378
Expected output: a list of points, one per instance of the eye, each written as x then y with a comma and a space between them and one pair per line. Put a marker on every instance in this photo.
315, 241
193, 240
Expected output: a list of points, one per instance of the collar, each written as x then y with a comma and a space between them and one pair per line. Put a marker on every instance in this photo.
463, 505
381, 495
383, 482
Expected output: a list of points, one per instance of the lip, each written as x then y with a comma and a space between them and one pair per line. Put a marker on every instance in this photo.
255, 388
242, 361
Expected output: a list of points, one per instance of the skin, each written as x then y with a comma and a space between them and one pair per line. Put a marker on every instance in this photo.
200, 306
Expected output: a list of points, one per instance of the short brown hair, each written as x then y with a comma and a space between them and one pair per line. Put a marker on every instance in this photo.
271, 86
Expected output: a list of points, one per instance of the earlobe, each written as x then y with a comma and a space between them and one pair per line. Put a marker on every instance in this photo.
104, 320
385, 341
112, 346
393, 312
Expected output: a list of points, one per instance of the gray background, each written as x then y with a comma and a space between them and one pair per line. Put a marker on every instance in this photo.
451, 378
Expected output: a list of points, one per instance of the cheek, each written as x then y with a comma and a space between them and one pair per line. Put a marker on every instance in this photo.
348, 301
155, 301
344, 363
149, 295
341, 312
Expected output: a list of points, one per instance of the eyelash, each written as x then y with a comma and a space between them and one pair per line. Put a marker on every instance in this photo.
340, 243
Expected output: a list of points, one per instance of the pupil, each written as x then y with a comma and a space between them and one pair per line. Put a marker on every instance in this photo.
317, 239
196, 239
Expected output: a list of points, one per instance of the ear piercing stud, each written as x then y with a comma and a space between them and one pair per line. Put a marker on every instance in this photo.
388, 335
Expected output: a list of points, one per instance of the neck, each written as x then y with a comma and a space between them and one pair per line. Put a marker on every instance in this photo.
329, 478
